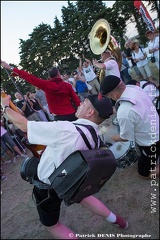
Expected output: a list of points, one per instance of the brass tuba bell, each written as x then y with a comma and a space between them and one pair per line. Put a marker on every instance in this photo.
100, 40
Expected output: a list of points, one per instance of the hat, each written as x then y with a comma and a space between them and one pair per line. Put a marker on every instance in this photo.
74, 72
53, 72
109, 83
103, 106
148, 32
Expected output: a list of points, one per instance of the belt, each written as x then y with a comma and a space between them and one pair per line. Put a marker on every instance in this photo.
92, 80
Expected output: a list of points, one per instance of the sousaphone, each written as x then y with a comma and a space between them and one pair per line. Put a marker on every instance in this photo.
101, 39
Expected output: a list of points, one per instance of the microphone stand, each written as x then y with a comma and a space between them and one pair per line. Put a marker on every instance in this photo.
13, 81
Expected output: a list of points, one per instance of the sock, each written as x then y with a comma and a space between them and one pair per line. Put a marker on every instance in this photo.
111, 218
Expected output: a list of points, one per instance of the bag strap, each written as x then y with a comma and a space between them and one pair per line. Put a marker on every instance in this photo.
148, 83
93, 133
84, 137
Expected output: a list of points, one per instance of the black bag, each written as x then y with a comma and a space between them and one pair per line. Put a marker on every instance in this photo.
82, 174
28, 169
153, 59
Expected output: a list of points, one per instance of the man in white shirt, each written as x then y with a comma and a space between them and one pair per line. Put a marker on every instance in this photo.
138, 121
153, 46
61, 138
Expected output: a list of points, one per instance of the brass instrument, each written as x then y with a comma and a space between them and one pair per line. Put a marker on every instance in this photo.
100, 40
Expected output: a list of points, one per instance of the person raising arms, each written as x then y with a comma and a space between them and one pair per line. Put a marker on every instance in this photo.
60, 95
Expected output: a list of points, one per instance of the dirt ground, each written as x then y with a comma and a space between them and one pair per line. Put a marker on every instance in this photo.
125, 194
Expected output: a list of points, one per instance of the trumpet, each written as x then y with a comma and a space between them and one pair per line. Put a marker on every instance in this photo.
100, 39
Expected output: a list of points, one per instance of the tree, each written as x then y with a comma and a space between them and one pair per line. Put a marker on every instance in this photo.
37, 52
65, 42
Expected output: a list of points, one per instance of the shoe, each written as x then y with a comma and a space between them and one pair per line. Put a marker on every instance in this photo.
24, 156
14, 160
3, 178
7, 161
120, 222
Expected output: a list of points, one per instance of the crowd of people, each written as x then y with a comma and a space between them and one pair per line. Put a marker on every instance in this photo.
48, 117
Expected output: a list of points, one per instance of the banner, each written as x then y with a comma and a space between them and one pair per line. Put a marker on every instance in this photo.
145, 15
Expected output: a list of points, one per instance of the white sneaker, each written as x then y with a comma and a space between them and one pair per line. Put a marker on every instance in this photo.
7, 161
3, 178
24, 156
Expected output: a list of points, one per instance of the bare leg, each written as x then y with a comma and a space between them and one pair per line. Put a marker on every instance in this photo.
100, 209
59, 231
96, 206
9, 152
17, 150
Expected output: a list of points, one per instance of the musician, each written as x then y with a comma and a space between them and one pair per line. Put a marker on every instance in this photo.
109, 64
60, 95
138, 121
61, 139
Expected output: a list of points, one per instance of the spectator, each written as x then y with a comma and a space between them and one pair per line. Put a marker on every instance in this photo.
153, 46
60, 95
80, 85
140, 58
37, 107
89, 74
15, 133
40, 95
128, 46
124, 74
8, 144
26, 106
69, 80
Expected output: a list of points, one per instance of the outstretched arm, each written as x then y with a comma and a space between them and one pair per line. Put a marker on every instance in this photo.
15, 117
40, 83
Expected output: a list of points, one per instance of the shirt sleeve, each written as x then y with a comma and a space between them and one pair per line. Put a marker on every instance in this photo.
109, 64
127, 126
40, 83
48, 133
126, 129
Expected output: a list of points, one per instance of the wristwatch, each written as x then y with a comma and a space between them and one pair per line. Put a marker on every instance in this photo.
11, 68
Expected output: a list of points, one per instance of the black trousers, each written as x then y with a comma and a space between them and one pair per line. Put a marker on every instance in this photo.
68, 117
148, 159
